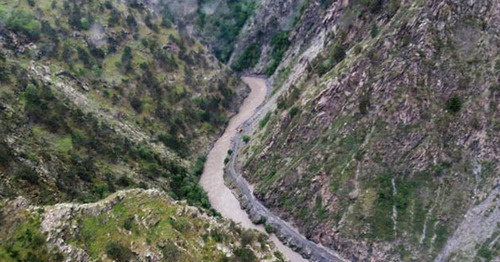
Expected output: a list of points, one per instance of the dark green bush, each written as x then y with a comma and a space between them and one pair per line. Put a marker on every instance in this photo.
170, 251
279, 45
4, 73
454, 104
25, 23
364, 104
126, 59
199, 165
394, 6
131, 20
245, 255
247, 237
217, 235
174, 143
28, 174
124, 181
127, 224
287, 100
181, 224
114, 18
374, 30
338, 53
118, 252
270, 229
249, 58
136, 104
335, 55
246, 138
294, 111
5, 154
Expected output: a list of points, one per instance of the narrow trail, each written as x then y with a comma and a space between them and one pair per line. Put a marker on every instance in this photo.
225, 202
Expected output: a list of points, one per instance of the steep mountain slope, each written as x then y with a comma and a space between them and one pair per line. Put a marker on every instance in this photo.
384, 131
98, 97
101, 95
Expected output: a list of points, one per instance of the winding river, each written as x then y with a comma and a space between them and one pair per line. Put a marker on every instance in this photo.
226, 203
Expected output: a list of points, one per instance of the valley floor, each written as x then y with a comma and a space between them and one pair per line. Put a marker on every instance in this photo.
226, 203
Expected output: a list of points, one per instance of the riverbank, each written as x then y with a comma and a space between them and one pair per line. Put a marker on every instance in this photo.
227, 204
221, 197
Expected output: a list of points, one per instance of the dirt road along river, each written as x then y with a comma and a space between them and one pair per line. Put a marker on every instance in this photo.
226, 203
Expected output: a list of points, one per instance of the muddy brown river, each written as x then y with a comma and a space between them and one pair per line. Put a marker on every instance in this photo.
220, 196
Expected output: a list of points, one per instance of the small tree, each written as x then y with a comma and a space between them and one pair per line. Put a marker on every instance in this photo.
454, 105
24, 23
131, 20
374, 30
4, 73
118, 252
127, 59
294, 111
249, 58
136, 104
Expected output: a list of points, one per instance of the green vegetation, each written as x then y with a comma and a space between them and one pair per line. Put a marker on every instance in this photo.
26, 243
264, 120
454, 105
25, 23
335, 55
245, 255
287, 100
118, 252
166, 228
150, 81
270, 229
293, 111
279, 45
374, 30
249, 58
381, 221
224, 25
364, 104
246, 138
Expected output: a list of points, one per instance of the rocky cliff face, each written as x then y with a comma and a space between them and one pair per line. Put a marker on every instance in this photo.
384, 138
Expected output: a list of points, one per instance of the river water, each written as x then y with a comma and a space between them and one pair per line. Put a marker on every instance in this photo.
212, 180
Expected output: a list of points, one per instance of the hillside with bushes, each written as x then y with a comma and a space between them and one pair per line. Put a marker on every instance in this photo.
382, 138
101, 95
131, 225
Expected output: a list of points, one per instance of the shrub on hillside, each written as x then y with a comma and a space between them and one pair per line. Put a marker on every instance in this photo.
28, 174
25, 23
126, 60
170, 251
5, 154
454, 105
249, 58
245, 255
294, 111
118, 252
4, 73
279, 45
136, 104
335, 55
